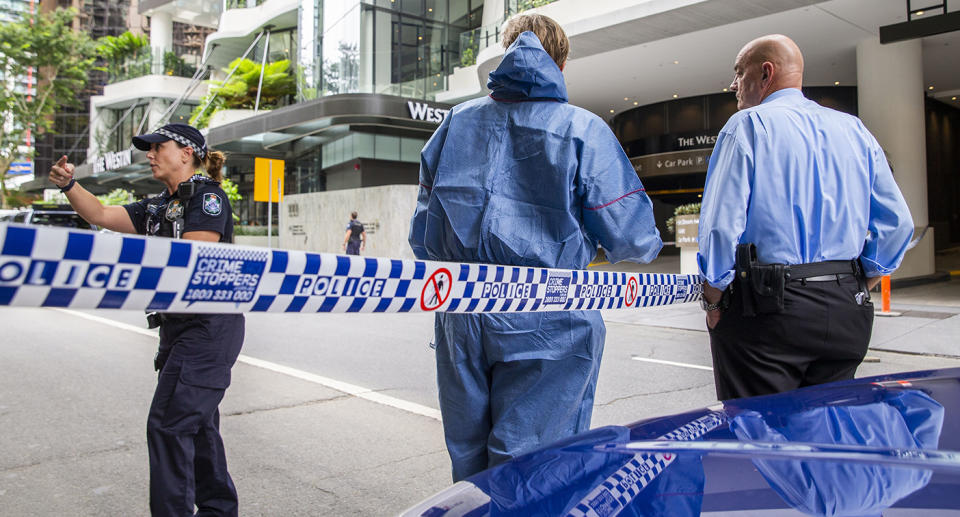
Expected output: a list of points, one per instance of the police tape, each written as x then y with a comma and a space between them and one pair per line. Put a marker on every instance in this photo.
58, 267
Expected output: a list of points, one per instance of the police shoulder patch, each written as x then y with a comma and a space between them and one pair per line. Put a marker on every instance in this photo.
212, 204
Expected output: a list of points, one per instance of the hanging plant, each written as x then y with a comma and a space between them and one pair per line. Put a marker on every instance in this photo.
124, 53
240, 92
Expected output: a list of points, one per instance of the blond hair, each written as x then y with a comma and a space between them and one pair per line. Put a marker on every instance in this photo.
552, 36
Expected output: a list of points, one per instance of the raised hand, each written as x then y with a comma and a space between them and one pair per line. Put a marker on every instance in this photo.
62, 172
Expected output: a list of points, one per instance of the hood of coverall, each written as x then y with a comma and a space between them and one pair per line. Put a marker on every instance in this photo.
527, 72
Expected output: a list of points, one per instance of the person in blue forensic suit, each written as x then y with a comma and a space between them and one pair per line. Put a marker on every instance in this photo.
810, 189
197, 351
523, 178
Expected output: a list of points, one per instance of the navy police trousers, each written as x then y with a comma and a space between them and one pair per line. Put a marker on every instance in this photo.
187, 462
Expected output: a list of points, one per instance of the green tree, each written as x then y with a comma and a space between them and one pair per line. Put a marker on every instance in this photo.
122, 54
117, 196
469, 56
60, 59
118, 48
524, 5
233, 195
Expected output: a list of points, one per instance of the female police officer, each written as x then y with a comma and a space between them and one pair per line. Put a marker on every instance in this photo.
187, 461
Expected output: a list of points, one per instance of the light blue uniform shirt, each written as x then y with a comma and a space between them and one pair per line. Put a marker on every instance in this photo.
804, 184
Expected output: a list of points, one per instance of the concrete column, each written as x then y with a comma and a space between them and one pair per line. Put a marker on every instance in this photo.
890, 101
492, 11
97, 127
155, 113
161, 38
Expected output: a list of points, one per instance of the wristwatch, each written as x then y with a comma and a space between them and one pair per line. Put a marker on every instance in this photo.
709, 306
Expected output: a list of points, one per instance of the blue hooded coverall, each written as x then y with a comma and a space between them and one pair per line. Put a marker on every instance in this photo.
523, 178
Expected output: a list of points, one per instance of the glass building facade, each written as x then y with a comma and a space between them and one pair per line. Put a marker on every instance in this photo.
404, 48
97, 18
392, 47
354, 111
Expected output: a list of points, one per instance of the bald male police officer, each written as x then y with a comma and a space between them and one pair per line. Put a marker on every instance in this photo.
800, 216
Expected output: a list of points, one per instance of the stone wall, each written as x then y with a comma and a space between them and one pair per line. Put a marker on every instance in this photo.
318, 221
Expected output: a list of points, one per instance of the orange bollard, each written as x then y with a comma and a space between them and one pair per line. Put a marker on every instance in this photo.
885, 293
885, 298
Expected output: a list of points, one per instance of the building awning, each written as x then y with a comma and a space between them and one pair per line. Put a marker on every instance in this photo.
292, 130
281, 133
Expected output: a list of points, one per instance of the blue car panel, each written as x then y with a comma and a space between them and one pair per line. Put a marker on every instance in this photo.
876, 446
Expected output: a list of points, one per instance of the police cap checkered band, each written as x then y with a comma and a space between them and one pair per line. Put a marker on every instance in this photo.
183, 134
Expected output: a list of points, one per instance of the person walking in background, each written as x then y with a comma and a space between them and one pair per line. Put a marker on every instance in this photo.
356, 237
523, 178
800, 218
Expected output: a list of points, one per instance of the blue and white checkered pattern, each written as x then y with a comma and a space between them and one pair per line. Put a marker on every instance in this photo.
697, 428
58, 267
615, 493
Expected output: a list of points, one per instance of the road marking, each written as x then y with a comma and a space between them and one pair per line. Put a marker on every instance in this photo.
671, 363
112, 323
350, 389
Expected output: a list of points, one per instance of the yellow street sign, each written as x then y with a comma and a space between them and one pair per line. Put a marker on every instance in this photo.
267, 172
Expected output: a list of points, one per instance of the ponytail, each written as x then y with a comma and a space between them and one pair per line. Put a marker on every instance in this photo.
212, 164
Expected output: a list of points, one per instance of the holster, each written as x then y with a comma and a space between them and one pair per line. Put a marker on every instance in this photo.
761, 285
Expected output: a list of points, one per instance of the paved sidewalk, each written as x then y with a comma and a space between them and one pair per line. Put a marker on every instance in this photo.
929, 322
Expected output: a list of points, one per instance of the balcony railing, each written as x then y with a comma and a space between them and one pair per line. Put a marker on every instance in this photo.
511, 7
143, 64
240, 4
473, 41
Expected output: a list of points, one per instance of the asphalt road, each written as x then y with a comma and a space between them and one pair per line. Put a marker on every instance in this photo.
327, 414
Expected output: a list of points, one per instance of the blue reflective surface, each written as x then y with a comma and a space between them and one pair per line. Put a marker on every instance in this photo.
876, 446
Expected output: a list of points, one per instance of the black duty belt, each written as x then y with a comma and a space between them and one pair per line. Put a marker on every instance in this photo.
820, 269
762, 285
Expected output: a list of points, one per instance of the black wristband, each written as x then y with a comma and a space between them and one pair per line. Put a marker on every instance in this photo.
68, 186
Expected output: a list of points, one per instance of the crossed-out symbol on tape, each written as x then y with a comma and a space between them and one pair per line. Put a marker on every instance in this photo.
436, 290
630, 294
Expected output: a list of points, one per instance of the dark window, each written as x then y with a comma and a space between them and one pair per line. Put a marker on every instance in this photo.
722, 107
686, 115
414, 7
